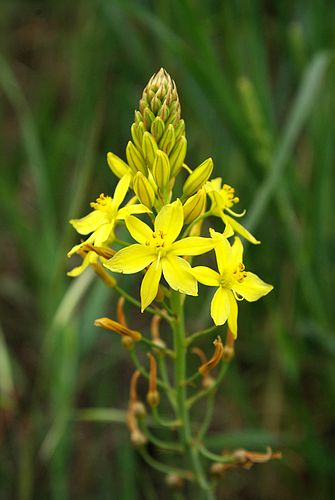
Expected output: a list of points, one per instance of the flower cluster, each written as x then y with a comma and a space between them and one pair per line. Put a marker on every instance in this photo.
168, 235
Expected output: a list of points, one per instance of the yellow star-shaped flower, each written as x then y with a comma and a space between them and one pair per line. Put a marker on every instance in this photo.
160, 251
101, 221
232, 281
223, 199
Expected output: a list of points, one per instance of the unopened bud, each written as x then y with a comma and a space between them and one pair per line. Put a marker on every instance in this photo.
167, 141
143, 190
177, 155
194, 206
136, 136
179, 130
135, 159
157, 128
161, 169
149, 148
148, 118
198, 177
117, 166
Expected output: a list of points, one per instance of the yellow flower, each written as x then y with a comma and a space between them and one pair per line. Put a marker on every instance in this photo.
160, 251
223, 199
101, 221
232, 281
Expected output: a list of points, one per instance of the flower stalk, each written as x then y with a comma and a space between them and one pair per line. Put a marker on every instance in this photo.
165, 234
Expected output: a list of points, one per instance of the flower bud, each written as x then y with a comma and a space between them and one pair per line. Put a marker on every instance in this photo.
117, 166
180, 129
157, 128
161, 169
167, 141
143, 190
198, 178
135, 159
149, 148
136, 136
148, 118
177, 155
194, 206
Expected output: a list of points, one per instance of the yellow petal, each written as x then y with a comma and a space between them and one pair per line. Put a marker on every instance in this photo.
132, 209
131, 259
89, 258
232, 318
121, 190
140, 231
150, 284
238, 228
102, 234
252, 287
193, 245
236, 252
177, 273
90, 222
220, 306
222, 249
206, 276
170, 220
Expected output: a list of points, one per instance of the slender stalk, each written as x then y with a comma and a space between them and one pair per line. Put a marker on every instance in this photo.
137, 303
185, 431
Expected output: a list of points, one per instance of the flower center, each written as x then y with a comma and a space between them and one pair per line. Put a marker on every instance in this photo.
228, 196
104, 204
158, 242
228, 278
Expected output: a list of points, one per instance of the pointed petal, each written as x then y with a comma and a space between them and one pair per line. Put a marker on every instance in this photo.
150, 284
131, 259
220, 306
90, 222
252, 287
236, 252
238, 228
193, 245
222, 250
170, 220
232, 317
177, 273
206, 276
121, 190
102, 234
137, 208
88, 259
140, 231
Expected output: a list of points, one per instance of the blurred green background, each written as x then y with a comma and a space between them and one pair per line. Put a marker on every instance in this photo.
256, 82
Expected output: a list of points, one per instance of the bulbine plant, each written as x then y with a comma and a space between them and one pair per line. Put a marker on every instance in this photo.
166, 210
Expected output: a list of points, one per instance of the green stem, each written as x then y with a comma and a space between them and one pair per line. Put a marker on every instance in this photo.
197, 335
209, 390
180, 349
137, 303
166, 469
